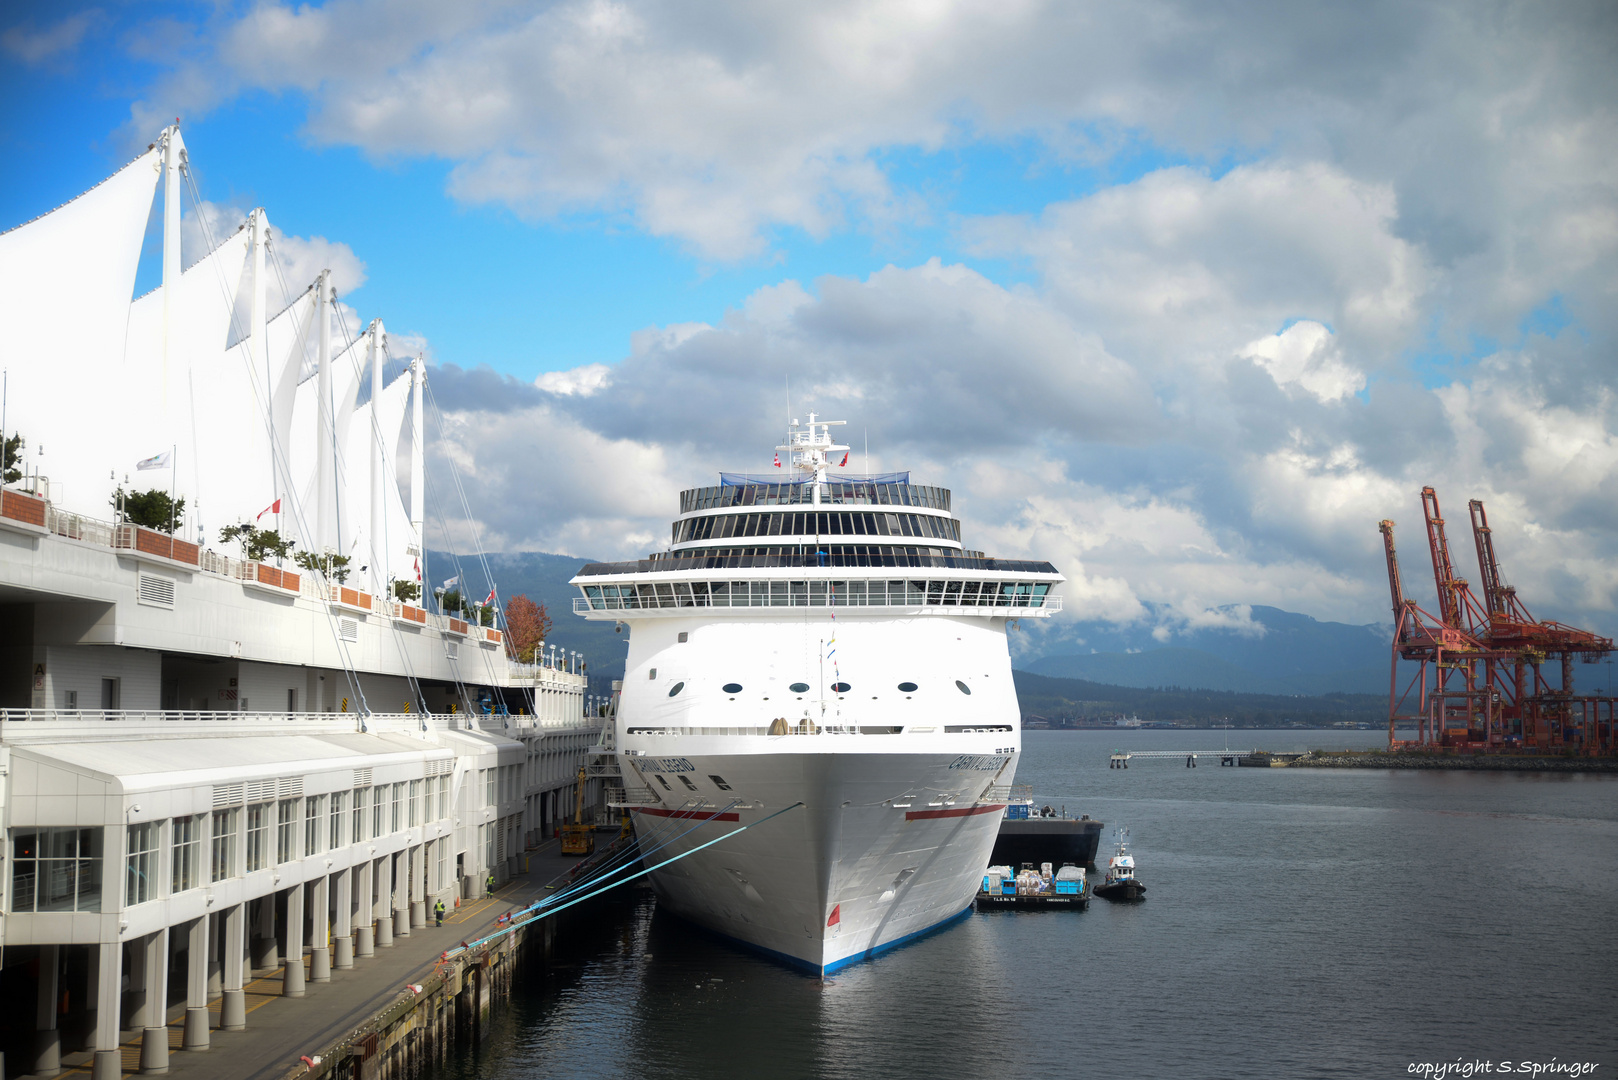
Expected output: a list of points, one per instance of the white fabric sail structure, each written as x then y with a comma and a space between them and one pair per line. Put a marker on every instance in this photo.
66, 280
199, 366
206, 396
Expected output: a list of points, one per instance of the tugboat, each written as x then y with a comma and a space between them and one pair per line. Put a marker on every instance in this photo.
1121, 883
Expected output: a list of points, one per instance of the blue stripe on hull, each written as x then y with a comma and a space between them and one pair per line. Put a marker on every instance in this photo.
847, 961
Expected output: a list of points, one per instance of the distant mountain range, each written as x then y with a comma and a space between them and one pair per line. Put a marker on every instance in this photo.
1296, 654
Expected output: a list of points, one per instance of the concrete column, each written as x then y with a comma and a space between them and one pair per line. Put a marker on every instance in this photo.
154, 1042
320, 929
267, 954
109, 963
48, 1043
401, 894
418, 902
233, 943
382, 909
216, 982
91, 1012
196, 986
292, 978
344, 941
365, 907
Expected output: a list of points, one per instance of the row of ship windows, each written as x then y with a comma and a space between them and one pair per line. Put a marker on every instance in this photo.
723, 526
816, 594
718, 782
733, 689
712, 498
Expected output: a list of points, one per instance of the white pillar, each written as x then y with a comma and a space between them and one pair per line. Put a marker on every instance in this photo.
292, 976
325, 430
154, 1043
320, 927
418, 901
401, 893
109, 964
233, 1005
196, 986
379, 574
48, 1044
382, 909
365, 909
343, 941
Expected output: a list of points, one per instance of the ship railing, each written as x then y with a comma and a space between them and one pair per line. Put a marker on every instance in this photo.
999, 793
583, 605
630, 795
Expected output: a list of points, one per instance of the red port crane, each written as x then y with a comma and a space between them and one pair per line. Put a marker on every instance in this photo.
1479, 683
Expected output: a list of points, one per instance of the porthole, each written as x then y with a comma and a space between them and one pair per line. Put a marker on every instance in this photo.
907, 688
962, 687
677, 687
799, 688
732, 688
840, 687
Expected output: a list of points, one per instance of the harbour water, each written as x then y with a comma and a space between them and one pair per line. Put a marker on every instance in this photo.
1301, 923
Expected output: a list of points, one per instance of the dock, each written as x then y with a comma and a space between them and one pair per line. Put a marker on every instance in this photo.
1120, 759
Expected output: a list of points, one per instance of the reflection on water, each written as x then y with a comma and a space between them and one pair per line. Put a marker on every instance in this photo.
1302, 923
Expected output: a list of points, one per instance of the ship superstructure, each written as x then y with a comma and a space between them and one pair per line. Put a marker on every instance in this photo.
821, 641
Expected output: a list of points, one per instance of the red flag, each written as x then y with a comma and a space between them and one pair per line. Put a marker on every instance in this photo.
778, 459
845, 460
836, 916
418, 569
273, 508
487, 600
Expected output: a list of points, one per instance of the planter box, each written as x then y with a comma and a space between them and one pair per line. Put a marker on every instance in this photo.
412, 616
457, 626
22, 513
270, 579
353, 599
149, 545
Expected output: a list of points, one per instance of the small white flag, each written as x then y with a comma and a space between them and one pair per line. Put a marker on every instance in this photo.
157, 461
452, 582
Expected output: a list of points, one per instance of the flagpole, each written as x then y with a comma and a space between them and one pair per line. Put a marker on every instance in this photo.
174, 471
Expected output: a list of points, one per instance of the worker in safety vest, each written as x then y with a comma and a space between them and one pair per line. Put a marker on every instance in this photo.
438, 912
490, 885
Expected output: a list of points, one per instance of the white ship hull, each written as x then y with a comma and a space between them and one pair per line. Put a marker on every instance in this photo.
866, 851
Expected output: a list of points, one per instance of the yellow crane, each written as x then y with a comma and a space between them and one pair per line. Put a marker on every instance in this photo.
577, 837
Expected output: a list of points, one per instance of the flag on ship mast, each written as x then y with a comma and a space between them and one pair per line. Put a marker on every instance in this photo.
845, 460
778, 459
487, 600
273, 508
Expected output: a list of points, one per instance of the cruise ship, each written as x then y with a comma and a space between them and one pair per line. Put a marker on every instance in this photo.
818, 679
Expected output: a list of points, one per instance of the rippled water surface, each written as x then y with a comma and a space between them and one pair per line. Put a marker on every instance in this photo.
1301, 923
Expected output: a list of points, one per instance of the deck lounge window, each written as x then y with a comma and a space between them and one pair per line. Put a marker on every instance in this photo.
56, 869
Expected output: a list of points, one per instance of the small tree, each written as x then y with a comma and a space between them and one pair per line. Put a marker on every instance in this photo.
453, 603
257, 544
406, 591
152, 509
9, 473
527, 624
331, 567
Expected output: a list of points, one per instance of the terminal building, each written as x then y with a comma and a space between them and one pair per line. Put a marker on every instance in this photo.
212, 765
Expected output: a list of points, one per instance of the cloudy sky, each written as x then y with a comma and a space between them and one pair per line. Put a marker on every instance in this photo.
1182, 297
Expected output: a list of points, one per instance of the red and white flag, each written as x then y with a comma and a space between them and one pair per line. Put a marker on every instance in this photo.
845, 460
273, 508
487, 600
778, 459
418, 569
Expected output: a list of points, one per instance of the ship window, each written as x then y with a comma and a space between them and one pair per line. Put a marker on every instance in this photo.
677, 687
651, 674
907, 688
685, 635
841, 687
662, 781
732, 688
799, 688
962, 687
719, 782
686, 780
